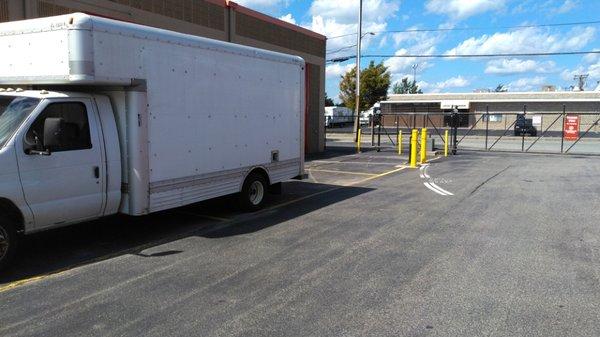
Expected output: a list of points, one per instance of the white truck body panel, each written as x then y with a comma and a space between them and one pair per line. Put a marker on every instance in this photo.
194, 115
335, 115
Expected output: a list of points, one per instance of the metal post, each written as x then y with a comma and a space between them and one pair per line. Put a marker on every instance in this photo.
373, 130
522, 133
454, 131
358, 42
358, 140
379, 137
562, 135
423, 145
413, 148
399, 141
487, 125
446, 143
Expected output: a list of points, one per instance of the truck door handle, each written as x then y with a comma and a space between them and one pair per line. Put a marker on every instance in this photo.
97, 172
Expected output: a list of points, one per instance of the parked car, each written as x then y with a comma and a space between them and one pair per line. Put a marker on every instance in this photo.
524, 126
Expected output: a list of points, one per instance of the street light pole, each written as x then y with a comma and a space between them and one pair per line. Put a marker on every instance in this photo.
358, 42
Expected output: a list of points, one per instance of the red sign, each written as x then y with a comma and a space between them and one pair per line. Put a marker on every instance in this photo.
571, 127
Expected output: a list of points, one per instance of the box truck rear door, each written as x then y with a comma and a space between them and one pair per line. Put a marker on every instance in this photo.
64, 181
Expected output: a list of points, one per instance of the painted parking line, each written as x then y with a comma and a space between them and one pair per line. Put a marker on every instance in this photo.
344, 172
223, 224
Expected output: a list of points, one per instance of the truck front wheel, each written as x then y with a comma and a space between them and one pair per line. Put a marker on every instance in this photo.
254, 192
8, 242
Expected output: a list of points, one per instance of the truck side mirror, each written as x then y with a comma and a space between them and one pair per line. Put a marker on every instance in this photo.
53, 133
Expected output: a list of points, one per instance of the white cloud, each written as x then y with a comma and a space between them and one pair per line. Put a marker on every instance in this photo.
336, 70
338, 18
527, 84
346, 11
518, 66
262, 4
401, 67
592, 58
288, 18
461, 9
451, 83
414, 43
567, 6
593, 70
527, 40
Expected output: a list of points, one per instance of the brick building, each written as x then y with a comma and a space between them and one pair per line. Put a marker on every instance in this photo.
217, 19
502, 107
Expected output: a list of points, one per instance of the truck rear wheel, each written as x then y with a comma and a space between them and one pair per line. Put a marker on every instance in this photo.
254, 192
8, 242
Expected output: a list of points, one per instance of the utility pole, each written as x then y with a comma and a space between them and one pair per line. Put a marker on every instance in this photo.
415, 66
581, 79
358, 42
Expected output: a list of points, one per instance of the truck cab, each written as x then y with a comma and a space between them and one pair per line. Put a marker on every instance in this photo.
53, 161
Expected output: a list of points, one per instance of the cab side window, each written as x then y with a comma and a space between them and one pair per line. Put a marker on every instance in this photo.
75, 130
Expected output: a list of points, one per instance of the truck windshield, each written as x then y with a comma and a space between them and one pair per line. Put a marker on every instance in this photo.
13, 111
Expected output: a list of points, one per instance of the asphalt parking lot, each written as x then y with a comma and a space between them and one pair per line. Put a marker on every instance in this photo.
488, 244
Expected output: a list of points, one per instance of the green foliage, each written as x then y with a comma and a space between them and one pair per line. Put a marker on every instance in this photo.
328, 101
374, 84
406, 87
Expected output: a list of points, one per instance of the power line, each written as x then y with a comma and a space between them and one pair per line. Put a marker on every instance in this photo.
340, 49
416, 30
346, 58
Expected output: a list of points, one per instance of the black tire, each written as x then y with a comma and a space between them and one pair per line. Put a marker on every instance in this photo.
254, 192
8, 242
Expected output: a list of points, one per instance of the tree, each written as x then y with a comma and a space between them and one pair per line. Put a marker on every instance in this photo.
406, 87
328, 101
374, 84
501, 88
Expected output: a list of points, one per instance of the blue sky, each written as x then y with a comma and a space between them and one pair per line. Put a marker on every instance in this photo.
339, 17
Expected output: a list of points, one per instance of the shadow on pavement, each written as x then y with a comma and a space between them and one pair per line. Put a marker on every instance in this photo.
81, 244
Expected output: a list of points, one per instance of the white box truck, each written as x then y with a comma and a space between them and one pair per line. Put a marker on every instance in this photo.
99, 117
338, 116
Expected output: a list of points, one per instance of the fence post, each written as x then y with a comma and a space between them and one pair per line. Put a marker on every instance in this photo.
413, 148
379, 134
446, 143
522, 133
372, 130
423, 145
399, 141
487, 125
562, 135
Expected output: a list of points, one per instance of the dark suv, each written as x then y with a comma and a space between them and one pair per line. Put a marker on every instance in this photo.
524, 126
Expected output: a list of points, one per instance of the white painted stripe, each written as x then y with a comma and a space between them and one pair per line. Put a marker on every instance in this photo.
440, 189
433, 189
425, 172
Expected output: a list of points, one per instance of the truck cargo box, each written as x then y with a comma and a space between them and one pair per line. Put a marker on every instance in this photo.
194, 115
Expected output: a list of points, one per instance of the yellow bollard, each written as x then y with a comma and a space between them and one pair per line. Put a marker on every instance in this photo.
399, 142
446, 143
359, 139
413, 148
423, 145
